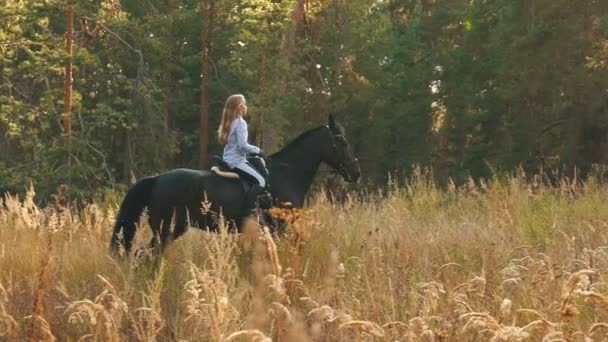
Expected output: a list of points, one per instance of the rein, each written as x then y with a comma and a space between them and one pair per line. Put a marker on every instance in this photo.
342, 167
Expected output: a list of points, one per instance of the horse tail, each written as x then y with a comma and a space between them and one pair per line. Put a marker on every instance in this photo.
131, 208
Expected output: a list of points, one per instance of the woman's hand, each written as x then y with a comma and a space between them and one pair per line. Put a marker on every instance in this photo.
259, 154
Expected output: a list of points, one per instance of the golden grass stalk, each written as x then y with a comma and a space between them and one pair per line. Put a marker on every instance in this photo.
272, 252
8, 326
597, 327
38, 309
365, 326
41, 328
252, 335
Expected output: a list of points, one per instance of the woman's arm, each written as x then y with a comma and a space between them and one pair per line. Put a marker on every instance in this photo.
241, 138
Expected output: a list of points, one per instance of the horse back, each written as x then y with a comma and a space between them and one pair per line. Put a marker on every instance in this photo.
188, 187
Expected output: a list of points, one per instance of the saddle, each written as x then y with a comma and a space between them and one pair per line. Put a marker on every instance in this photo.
223, 170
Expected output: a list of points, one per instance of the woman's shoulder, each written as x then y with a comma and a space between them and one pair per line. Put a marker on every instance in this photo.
240, 121
236, 122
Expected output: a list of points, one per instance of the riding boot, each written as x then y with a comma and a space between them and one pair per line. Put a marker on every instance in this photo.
265, 199
252, 197
258, 196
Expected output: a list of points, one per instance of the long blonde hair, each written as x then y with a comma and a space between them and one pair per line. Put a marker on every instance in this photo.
230, 112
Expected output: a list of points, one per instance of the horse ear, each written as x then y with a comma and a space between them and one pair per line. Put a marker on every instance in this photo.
332, 123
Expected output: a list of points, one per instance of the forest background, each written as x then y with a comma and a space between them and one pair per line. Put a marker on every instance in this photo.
467, 88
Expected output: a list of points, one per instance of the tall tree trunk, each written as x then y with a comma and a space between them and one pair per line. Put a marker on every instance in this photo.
67, 89
289, 39
67, 85
165, 154
267, 140
206, 50
127, 170
259, 138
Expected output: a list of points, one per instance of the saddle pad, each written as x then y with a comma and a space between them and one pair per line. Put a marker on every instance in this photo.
226, 174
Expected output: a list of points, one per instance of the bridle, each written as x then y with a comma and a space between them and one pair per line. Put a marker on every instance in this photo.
343, 165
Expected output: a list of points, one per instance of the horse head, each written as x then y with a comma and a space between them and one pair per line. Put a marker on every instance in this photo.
336, 152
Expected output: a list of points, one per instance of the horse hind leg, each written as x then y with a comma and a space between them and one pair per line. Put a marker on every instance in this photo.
166, 230
160, 223
181, 222
128, 232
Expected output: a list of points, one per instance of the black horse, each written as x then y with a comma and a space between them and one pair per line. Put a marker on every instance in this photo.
185, 191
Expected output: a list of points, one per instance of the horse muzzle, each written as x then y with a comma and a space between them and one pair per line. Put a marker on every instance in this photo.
351, 171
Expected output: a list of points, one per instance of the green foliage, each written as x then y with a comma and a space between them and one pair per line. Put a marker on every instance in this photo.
464, 87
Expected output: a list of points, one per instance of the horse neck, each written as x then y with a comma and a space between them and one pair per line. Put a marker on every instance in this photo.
298, 162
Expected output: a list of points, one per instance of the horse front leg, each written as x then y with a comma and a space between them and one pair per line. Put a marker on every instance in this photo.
201, 218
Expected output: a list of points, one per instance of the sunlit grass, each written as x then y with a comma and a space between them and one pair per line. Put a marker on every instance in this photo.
499, 260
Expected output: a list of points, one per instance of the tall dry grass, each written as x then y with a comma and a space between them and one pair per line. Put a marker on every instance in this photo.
505, 260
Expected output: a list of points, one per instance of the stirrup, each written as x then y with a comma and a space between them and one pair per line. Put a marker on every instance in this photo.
264, 199
286, 205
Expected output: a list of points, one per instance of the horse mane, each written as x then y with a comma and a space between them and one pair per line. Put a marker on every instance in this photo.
298, 139
339, 129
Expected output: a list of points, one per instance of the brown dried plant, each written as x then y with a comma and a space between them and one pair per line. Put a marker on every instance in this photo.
501, 260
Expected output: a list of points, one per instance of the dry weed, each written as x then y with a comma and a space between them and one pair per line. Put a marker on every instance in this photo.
502, 260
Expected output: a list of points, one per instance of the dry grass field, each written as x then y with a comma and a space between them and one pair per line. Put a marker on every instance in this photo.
505, 260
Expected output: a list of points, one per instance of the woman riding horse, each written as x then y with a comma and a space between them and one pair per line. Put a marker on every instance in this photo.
233, 133
201, 194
